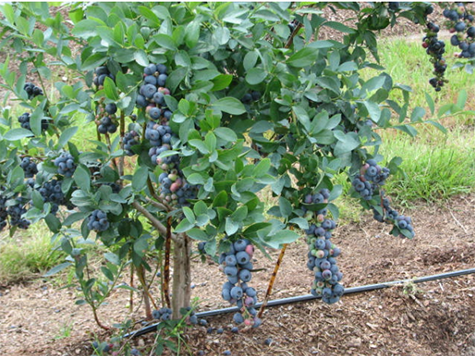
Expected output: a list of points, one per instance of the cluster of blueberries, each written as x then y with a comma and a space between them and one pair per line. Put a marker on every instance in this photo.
29, 167
131, 139
108, 347
51, 192
32, 90
435, 48
459, 20
13, 212
172, 184
107, 126
368, 184
371, 177
97, 221
101, 73
164, 314
105, 113
65, 164
24, 121
249, 98
322, 253
237, 266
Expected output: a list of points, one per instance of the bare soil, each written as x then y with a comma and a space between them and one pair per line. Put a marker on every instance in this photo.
433, 318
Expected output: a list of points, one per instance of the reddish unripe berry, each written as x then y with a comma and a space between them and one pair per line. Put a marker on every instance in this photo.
175, 186
425, 45
249, 250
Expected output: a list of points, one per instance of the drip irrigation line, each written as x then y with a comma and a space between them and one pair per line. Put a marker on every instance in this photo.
307, 297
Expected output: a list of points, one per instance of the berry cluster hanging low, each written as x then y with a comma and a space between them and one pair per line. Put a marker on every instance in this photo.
237, 266
322, 253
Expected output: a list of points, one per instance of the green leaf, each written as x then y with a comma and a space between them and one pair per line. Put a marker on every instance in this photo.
256, 76
339, 27
199, 145
196, 179
85, 28
165, 41
141, 57
53, 223
285, 207
411, 131
149, 15
333, 209
329, 83
221, 199
303, 58
176, 77
462, 99
229, 105
373, 84
374, 110
282, 237
184, 226
226, 134
430, 102
112, 258
231, 227
197, 234
57, 269
17, 134
82, 178
347, 67
417, 114
139, 180
107, 272
300, 222
189, 214
240, 214
250, 60
74, 217
110, 90
66, 136
192, 33
222, 35
262, 168
437, 125
346, 142
221, 82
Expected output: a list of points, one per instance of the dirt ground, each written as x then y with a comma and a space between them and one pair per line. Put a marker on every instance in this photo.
433, 318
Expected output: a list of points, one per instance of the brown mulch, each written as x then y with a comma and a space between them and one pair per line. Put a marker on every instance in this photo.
433, 318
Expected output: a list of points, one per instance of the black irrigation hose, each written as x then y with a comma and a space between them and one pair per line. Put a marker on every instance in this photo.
304, 298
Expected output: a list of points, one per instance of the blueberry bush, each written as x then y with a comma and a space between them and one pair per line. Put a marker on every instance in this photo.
177, 116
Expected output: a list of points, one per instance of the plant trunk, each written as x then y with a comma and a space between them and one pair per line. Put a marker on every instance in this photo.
181, 287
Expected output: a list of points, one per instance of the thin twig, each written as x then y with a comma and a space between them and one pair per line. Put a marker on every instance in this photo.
155, 195
156, 203
458, 222
155, 222
272, 280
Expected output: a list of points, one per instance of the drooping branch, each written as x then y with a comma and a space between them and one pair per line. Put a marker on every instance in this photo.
155, 222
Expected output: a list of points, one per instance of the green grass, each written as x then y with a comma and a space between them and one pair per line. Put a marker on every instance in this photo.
433, 171
27, 254
407, 62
